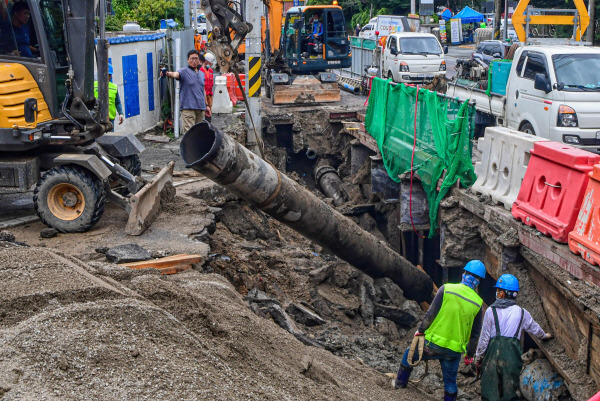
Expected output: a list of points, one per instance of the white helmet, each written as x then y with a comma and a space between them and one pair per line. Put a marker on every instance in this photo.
209, 57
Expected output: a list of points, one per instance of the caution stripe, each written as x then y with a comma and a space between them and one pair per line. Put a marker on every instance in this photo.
254, 76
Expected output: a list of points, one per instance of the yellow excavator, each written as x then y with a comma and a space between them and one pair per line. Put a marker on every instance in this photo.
300, 47
54, 132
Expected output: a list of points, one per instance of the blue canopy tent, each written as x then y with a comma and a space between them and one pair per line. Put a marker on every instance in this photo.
446, 14
467, 16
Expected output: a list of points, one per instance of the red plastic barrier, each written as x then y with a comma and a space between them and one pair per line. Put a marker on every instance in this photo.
235, 92
553, 188
596, 397
584, 239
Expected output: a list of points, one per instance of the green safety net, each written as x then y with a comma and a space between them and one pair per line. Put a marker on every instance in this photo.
444, 138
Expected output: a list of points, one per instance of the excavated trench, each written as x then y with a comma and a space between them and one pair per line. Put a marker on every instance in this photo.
322, 300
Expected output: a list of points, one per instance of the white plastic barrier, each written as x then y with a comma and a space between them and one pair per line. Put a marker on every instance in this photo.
504, 159
221, 101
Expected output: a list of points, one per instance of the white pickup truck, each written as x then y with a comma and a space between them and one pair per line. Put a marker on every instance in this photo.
413, 57
552, 92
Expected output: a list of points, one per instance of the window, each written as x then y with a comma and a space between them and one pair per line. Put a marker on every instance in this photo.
17, 32
420, 45
52, 19
367, 28
479, 49
535, 65
392, 42
336, 28
521, 63
577, 72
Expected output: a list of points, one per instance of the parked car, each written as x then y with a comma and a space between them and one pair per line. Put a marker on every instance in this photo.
489, 50
413, 57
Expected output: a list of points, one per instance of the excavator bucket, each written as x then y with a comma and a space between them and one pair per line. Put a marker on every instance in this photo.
306, 90
145, 205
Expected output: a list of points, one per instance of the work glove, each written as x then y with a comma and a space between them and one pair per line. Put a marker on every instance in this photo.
418, 333
468, 360
121, 120
548, 336
478, 364
163, 72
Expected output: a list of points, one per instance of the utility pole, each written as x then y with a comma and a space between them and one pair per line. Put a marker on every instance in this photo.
253, 10
505, 34
186, 13
413, 6
497, 15
592, 26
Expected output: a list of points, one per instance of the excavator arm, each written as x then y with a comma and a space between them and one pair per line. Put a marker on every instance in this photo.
228, 32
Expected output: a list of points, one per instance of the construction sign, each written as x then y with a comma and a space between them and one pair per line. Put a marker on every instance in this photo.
254, 76
581, 19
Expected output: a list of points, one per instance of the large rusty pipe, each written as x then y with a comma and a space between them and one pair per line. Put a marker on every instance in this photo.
217, 156
330, 183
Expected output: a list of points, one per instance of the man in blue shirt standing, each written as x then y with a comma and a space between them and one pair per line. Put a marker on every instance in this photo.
192, 96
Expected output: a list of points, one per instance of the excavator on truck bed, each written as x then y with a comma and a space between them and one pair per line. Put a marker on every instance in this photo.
300, 47
54, 133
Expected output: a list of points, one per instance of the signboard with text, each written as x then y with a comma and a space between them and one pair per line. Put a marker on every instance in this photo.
443, 37
455, 30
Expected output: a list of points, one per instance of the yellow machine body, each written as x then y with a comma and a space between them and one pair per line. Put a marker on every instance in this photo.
16, 86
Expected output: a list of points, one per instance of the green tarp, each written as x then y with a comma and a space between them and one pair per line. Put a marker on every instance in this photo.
444, 138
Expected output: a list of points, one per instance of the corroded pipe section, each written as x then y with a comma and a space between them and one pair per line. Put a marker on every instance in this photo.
330, 183
226, 162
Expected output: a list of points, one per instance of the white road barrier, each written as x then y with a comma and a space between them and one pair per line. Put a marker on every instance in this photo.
504, 159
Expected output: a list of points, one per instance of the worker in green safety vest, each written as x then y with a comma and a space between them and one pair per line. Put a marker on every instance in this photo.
114, 101
451, 328
499, 351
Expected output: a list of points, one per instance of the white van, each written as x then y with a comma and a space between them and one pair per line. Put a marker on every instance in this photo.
413, 57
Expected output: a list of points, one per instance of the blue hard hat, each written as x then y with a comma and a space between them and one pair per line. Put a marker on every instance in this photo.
476, 267
508, 282
110, 70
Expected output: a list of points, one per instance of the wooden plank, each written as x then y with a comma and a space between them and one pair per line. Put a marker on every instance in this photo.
169, 261
594, 359
157, 138
175, 269
560, 254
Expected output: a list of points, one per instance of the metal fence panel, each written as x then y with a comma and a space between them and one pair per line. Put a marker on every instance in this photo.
365, 53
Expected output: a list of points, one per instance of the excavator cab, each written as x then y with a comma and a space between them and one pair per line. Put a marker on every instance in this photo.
315, 39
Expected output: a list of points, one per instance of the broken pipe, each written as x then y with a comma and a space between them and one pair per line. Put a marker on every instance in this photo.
220, 158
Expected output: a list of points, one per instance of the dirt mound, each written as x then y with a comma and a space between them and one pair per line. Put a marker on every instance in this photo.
188, 336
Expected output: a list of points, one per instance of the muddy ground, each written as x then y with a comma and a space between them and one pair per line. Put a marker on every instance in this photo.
266, 315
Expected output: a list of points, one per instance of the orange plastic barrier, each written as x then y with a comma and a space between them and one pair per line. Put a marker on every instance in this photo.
553, 188
235, 92
584, 239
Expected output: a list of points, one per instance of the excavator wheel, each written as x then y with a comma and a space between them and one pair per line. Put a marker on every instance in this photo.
69, 199
134, 166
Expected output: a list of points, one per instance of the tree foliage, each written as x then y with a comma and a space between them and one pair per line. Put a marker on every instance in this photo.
147, 13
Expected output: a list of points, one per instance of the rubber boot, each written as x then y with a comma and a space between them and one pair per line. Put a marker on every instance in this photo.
450, 396
402, 377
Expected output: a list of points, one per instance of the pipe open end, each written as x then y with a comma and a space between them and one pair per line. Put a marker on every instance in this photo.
200, 144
